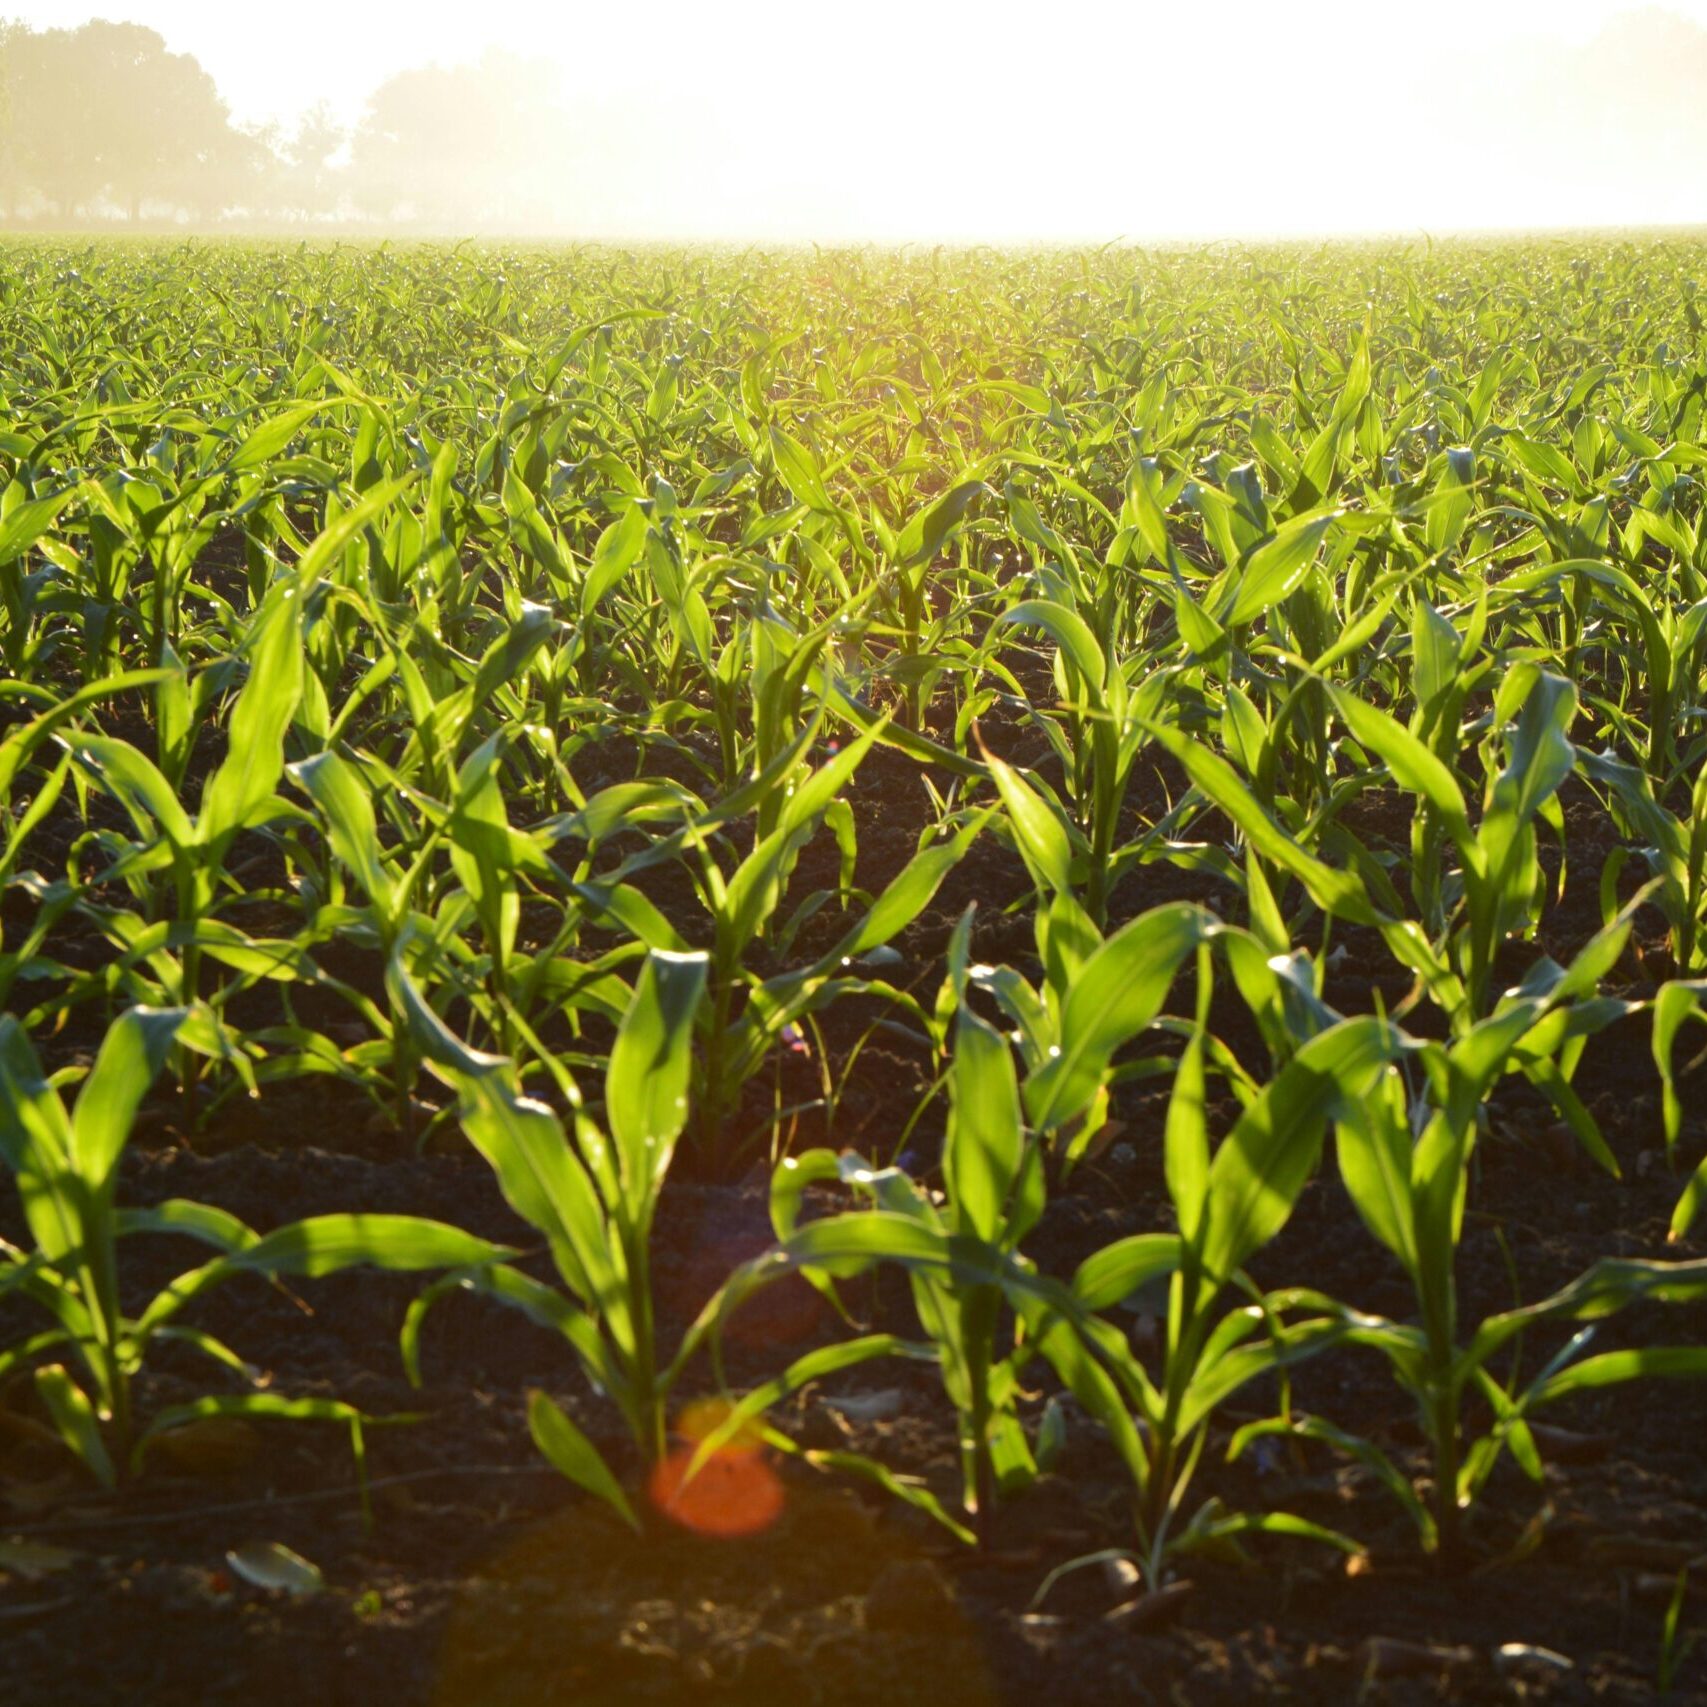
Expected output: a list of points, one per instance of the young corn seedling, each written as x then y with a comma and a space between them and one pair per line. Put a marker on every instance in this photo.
176, 863
593, 1196
745, 1015
1499, 885
911, 551
25, 516
1097, 993
1230, 1200
1499, 881
1405, 1161
411, 908
1674, 847
993, 1195
191, 853
66, 1164
18, 750
1103, 732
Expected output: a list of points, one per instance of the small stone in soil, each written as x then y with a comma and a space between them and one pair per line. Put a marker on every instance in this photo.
1150, 1610
1513, 1659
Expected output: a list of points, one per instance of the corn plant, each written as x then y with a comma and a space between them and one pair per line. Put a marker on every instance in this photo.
1674, 847
175, 865
746, 1014
1097, 993
1101, 734
1230, 1200
1405, 1155
593, 1199
993, 1195
65, 1163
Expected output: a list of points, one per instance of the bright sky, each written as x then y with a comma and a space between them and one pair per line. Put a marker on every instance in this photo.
1075, 119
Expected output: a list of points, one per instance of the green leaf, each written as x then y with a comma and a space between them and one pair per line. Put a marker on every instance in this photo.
1676, 1003
1354, 1446
985, 1145
74, 1418
133, 781
543, 1305
1274, 569
36, 1143
1185, 1140
924, 536
905, 897
1611, 1368
24, 525
1412, 765
1373, 1141
332, 539
1542, 757
1606, 1287
131, 1056
906, 1489
545, 1182
1690, 1204
646, 1083
1118, 991
617, 551
1042, 840
799, 471
1265, 1523
191, 1220
324, 1244
1070, 632
270, 438
573, 1455
20, 744
813, 1366
1271, 1151
1338, 892
1117, 1271
273, 1407
254, 760
351, 827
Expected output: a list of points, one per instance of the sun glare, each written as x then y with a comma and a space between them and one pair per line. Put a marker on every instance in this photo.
1095, 121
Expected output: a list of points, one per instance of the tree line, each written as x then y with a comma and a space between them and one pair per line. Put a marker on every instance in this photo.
103, 123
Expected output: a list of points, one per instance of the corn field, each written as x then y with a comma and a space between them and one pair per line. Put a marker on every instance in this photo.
1143, 811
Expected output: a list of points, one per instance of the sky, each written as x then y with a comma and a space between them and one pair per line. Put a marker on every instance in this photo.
1055, 119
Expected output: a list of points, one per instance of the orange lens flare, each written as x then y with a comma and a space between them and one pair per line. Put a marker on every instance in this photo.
699, 1419
734, 1493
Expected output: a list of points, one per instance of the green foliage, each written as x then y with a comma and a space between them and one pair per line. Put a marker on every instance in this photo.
594, 1201
503, 673
66, 1167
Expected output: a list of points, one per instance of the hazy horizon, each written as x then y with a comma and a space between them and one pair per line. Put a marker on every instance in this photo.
761, 121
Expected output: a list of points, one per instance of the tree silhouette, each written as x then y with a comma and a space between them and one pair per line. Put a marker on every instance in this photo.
14, 183
308, 182
104, 114
102, 123
461, 145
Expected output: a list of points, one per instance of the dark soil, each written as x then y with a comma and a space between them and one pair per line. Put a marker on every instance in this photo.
484, 1579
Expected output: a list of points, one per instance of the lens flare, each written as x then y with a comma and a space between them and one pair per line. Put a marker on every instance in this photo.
734, 1493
